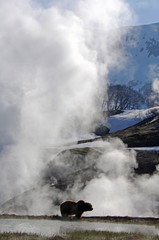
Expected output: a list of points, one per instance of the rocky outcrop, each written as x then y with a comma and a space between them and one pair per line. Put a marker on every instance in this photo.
102, 130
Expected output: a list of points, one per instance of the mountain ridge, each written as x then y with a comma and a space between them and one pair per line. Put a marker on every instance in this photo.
140, 47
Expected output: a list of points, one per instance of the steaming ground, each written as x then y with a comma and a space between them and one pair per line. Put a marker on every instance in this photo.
99, 172
54, 66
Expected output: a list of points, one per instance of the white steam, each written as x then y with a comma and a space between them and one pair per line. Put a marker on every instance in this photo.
154, 75
117, 191
155, 91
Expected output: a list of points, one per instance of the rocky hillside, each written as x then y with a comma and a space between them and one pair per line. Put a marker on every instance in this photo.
142, 134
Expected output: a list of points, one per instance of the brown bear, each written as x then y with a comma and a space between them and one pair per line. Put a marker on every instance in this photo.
69, 208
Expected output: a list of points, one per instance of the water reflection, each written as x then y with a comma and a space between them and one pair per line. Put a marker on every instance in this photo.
52, 227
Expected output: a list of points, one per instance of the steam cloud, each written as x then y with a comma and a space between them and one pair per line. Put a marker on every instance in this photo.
54, 65
117, 191
154, 74
155, 91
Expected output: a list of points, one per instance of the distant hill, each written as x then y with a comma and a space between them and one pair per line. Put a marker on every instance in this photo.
141, 51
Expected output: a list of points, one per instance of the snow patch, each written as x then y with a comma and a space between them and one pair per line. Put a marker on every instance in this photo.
129, 118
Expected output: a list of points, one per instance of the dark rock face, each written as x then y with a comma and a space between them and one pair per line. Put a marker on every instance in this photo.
102, 130
147, 162
152, 47
72, 208
143, 134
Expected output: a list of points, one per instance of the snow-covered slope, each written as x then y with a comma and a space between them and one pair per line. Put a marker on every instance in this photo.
141, 51
129, 118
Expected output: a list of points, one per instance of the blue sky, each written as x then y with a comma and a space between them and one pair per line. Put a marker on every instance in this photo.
146, 11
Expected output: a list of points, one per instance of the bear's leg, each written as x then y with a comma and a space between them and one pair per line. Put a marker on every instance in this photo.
79, 215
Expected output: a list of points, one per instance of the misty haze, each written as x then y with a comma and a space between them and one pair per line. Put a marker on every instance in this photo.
72, 77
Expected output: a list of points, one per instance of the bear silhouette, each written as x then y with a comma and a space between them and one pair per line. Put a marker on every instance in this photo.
70, 208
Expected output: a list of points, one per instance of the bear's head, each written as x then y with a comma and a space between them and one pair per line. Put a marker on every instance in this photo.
84, 206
